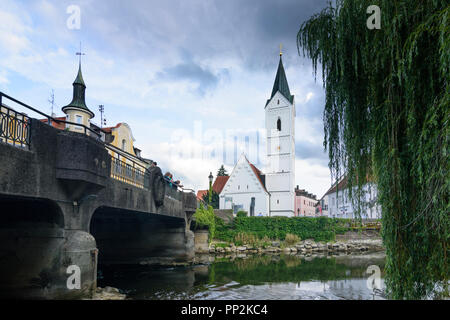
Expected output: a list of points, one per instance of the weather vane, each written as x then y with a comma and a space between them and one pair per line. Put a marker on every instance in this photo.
80, 53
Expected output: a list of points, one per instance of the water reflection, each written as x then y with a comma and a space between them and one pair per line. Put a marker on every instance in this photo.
253, 277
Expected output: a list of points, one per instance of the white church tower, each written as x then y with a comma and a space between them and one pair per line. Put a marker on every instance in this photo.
280, 126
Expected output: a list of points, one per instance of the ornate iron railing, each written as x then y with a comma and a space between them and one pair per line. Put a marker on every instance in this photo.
123, 171
14, 127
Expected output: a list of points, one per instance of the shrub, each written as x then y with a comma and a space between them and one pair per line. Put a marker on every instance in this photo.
246, 238
291, 239
272, 228
205, 217
241, 213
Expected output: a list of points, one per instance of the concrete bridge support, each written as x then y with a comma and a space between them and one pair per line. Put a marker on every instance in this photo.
137, 238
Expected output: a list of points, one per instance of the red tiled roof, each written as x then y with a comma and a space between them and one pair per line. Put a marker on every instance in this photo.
57, 125
257, 173
109, 129
201, 194
341, 185
219, 183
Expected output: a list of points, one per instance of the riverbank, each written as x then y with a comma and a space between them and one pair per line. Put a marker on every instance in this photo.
350, 242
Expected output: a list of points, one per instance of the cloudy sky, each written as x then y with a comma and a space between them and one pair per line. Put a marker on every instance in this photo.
191, 78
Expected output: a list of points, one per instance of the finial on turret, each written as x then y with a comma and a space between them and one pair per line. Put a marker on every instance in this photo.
281, 46
80, 54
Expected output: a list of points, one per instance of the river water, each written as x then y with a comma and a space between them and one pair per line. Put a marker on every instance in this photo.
263, 277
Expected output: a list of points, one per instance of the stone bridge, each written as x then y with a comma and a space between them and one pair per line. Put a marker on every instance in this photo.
61, 211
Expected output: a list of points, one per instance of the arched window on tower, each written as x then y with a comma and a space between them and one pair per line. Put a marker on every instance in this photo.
279, 124
124, 144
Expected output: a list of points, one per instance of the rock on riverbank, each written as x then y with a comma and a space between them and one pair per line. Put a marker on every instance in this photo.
302, 248
108, 293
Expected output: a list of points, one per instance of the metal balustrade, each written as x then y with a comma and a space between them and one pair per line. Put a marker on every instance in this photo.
122, 171
14, 127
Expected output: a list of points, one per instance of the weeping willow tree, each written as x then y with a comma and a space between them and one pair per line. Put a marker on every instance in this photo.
386, 120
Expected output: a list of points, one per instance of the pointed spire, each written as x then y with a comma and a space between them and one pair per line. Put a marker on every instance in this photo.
79, 78
281, 83
79, 89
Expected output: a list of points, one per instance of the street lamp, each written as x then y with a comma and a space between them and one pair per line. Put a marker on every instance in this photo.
210, 177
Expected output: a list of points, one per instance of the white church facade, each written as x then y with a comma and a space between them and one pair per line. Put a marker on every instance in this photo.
245, 190
272, 193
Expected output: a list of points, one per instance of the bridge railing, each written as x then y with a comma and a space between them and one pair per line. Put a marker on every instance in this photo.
14, 127
50, 119
123, 171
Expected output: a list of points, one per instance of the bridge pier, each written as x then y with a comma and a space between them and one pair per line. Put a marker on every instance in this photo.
125, 237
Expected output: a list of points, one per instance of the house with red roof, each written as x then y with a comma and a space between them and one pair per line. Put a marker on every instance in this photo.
337, 203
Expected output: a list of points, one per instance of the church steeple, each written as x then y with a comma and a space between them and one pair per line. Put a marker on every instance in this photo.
281, 83
78, 100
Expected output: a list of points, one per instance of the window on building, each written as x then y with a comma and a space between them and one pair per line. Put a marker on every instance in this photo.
278, 102
124, 144
279, 124
247, 187
79, 119
278, 201
239, 187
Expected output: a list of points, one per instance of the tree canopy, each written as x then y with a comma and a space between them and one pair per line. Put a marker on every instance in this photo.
214, 199
222, 171
386, 119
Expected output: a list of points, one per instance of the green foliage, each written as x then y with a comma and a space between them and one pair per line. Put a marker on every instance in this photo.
386, 119
246, 238
241, 214
319, 229
221, 245
291, 239
205, 217
222, 171
214, 199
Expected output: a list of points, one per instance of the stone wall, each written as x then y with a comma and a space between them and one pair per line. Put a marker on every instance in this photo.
201, 241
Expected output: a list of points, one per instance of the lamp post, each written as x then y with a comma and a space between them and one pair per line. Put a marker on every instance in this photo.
210, 177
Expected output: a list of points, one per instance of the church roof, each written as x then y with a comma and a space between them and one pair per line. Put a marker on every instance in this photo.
258, 174
219, 183
281, 84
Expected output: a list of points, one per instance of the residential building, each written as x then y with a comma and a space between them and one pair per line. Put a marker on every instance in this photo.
341, 206
305, 203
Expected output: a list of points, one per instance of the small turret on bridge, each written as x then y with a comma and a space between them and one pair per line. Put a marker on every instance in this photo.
65, 202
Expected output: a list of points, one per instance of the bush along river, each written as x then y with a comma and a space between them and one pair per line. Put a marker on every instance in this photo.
270, 275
